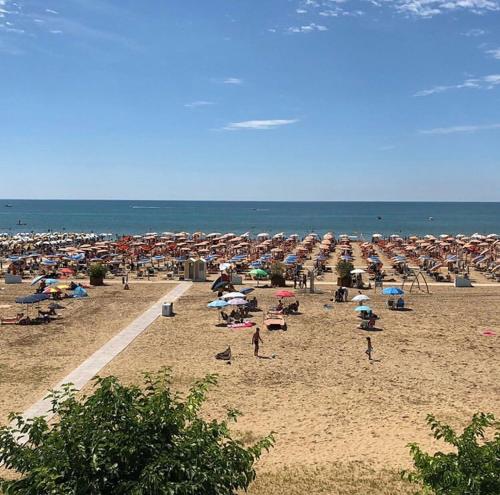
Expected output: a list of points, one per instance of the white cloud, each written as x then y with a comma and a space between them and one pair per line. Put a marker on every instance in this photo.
259, 124
55, 31
460, 129
301, 11
199, 103
50, 11
485, 82
408, 8
232, 80
495, 53
474, 33
309, 28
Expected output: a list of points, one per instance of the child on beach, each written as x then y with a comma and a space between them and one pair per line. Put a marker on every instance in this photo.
369, 349
256, 339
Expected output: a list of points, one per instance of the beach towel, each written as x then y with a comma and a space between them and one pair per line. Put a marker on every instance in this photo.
246, 324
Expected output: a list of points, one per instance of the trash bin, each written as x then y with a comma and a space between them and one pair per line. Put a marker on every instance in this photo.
167, 309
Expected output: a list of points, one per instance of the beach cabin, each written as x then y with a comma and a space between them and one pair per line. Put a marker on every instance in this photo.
195, 270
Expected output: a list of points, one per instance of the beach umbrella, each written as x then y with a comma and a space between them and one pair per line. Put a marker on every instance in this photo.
37, 279
237, 302
357, 271
284, 293
32, 299
66, 271
224, 266
247, 290
233, 295
362, 308
360, 298
393, 291
80, 292
219, 303
258, 273
63, 287
50, 281
52, 290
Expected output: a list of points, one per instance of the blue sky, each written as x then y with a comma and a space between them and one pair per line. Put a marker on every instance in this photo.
250, 99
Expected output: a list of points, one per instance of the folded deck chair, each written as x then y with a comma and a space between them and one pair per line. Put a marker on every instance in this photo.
225, 355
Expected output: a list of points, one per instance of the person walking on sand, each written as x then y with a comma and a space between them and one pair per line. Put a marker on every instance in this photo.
369, 349
256, 339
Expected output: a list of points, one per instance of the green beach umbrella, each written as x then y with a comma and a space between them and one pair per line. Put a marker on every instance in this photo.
258, 273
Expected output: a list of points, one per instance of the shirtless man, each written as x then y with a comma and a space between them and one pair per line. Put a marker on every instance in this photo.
256, 339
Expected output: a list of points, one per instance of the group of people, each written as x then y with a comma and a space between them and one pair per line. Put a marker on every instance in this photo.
341, 294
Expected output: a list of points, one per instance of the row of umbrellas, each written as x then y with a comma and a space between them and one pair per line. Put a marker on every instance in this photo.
388, 291
238, 298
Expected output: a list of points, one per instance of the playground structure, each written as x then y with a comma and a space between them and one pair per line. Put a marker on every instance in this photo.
413, 277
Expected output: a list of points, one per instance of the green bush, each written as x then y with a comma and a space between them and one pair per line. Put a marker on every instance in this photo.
127, 440
344, 269
472, 469
97, 270
277, 274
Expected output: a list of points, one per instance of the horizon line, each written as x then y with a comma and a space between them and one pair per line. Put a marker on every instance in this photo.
254, 200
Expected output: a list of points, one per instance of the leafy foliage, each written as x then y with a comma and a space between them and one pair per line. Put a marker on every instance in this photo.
344, 269
277, 274
474, 467
128, 440
97, 270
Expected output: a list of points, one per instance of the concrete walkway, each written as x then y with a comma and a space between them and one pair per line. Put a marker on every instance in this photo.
95, 363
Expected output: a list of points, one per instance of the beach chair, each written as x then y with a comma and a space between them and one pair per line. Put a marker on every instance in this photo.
12, 320
224, 355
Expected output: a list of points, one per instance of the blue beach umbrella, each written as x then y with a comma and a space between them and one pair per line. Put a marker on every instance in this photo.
219, 303
80, 292
50, 281
32, 298
393, 291
362, 308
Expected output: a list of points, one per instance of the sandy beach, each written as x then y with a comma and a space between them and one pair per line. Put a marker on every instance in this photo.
333, 412
342, 423
34, 358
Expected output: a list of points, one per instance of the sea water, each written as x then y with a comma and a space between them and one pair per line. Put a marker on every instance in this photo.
353, 218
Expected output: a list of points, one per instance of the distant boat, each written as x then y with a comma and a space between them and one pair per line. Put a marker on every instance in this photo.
21, 223
8, 206
431, 219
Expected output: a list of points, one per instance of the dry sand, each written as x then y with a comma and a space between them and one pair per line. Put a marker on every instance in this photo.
35, 358
342, 424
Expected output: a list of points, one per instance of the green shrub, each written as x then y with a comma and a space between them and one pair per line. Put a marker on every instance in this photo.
127, 440
472, 469
277, 274
97, 270
344, 269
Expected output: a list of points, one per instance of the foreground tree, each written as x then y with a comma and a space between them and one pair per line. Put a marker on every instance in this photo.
127, 440
473, 468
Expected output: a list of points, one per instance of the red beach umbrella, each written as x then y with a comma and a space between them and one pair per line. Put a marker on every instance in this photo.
284, 293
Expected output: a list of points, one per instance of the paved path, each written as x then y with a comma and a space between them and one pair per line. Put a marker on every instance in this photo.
95, 363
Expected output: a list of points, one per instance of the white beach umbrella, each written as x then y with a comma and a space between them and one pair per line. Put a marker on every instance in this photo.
357, 271
234, 295
360, 298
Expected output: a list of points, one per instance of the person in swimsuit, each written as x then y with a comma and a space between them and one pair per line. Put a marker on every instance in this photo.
256, 339
369, 349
